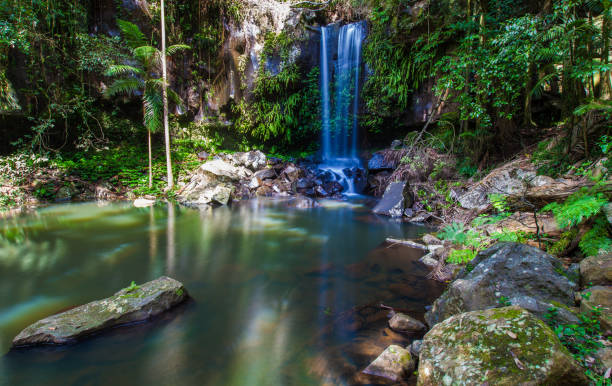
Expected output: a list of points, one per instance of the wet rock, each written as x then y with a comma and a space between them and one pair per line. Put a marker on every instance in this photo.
254, 183
253, 160
415, 348
377, 163
429, 260
333, 188
599, 297
304, 184
266, 174
127, 306
429, 239
504, 346
405, 324
396, 199
292, 173
394, 363
596, 270
375, 182
521, 274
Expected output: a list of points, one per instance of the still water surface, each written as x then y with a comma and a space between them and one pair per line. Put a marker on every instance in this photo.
280, 296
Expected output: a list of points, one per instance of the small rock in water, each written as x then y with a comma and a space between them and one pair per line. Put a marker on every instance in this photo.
415, 348
406, 324
429, 260
394, 363
132, 304
143, 202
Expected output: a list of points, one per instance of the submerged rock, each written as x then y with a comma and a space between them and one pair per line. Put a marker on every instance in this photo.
504, 346
406, 324
394, 363
127, 306
396, 199
508, 272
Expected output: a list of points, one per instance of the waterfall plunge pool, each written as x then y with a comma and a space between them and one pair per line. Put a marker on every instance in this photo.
280, 296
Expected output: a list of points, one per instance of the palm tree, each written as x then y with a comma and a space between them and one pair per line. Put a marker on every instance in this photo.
140, 78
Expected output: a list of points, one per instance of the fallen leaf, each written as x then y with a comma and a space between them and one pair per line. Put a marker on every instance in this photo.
511, 334
517, 361
52, 328
607, 374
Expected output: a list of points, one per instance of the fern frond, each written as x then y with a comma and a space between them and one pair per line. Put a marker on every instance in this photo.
538, 89
131, 33
177, 48
153, 108
123, 69
129, 86
146, 53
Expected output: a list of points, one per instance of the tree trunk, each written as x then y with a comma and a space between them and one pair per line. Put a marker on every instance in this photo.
150, 159
165, 99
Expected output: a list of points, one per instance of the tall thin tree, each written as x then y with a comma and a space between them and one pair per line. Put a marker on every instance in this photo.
165, 99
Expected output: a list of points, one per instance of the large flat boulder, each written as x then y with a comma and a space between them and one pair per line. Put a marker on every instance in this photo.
132, 304
396, 199
508, 272
213, 183
503, 346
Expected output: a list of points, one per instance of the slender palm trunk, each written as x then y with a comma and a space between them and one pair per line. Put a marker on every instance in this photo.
165, 100
150, 159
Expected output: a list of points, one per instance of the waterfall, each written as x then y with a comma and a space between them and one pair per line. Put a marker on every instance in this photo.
340, 135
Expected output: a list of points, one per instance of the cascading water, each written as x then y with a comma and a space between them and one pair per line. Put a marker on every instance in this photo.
340, 134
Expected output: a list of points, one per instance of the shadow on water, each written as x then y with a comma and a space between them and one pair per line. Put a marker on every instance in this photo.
282, 296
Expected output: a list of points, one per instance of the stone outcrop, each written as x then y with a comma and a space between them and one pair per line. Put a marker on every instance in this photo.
596, 270
504, 346
132, 304
511, 178
213, 183
508, 272
395, 201
394, 363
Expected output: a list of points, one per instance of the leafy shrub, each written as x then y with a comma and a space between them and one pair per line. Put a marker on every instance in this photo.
461, 256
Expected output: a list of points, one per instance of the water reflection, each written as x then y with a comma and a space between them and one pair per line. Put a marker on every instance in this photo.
282, 296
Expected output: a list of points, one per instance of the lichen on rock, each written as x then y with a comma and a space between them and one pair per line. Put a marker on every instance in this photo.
504, 346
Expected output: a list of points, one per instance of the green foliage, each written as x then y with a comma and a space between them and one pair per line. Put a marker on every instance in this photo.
582, 340
597, 239
132, 287
507, 236
499, 202
457, 233
461, 256
578, 207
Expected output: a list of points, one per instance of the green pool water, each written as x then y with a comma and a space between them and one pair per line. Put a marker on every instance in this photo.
280, 296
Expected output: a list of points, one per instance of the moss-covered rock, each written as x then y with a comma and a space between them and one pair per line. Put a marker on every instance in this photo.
503, 346
508, 272
394, 363
133, 304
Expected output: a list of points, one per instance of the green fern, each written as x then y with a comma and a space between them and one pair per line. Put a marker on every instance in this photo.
597, 239
461, 256
577, 208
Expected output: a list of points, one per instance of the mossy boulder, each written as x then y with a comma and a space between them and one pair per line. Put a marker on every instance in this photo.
512, 273
133, 304
394, 363
503, 346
